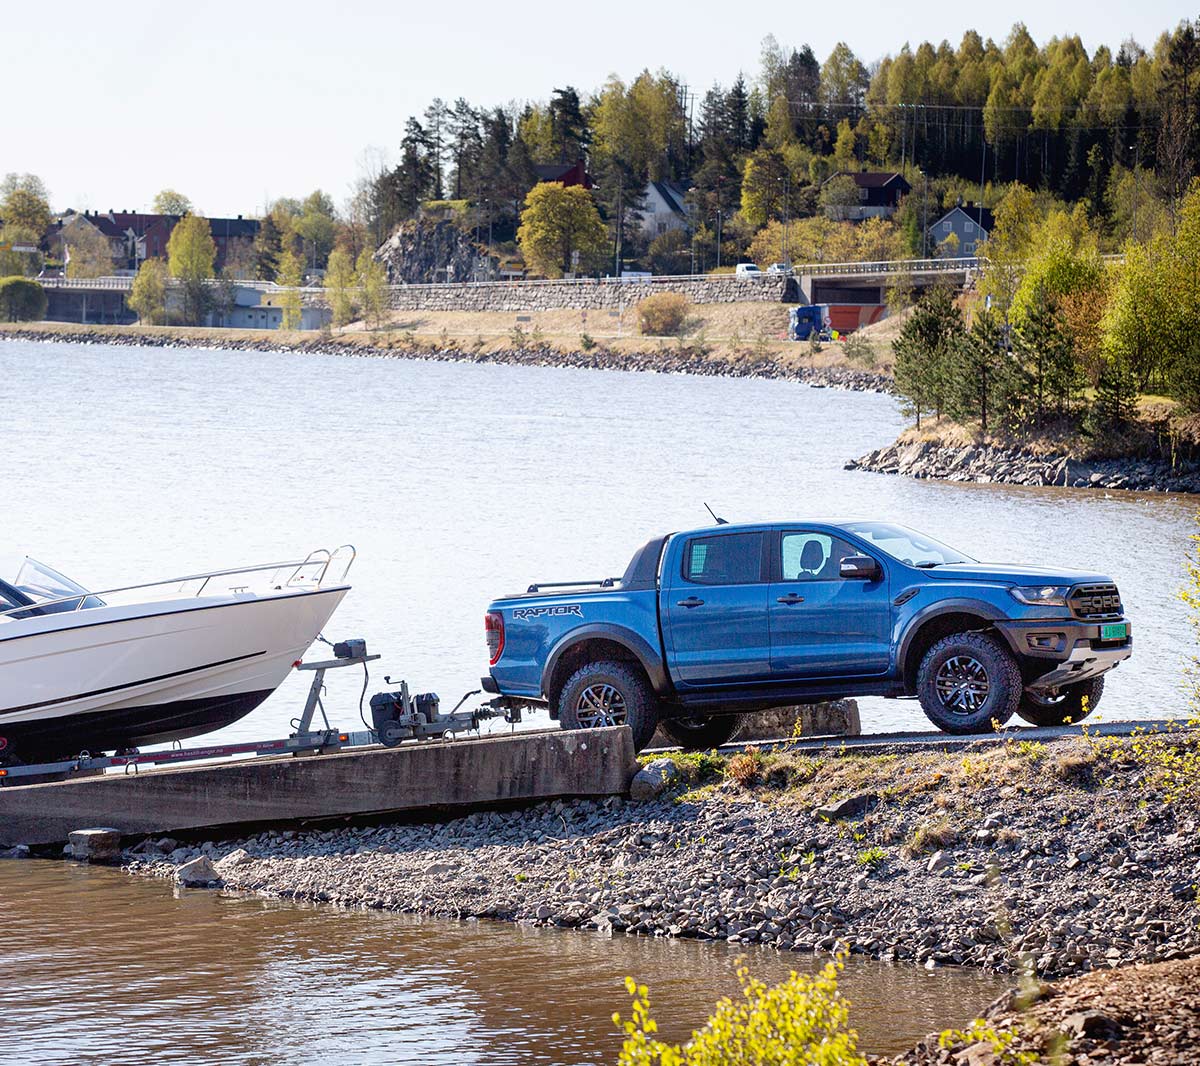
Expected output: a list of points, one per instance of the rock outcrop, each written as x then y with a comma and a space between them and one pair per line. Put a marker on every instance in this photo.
421, 253
1020, 466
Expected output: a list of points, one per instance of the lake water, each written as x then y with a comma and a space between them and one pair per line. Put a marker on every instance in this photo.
459, 482
456, 482
101, 967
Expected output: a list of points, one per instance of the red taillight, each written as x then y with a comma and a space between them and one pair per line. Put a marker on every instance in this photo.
493, 627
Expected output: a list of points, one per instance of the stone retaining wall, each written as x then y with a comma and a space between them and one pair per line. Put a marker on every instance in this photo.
588, 294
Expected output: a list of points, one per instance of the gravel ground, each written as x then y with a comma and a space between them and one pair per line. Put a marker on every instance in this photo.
1053, 859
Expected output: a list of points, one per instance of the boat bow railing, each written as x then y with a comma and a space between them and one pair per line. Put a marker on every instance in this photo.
287, 575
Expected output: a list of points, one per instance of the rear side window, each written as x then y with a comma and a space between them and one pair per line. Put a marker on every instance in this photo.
731, 559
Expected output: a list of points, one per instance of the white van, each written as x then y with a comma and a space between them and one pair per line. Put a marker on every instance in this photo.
748, 270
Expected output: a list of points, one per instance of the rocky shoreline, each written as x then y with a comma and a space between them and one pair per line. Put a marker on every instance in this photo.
983, 464
680, 360
1050, 859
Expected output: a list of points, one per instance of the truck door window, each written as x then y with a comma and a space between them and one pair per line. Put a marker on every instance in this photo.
813, 557
729, 559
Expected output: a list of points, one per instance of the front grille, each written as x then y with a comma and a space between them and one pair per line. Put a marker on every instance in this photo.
1095, 601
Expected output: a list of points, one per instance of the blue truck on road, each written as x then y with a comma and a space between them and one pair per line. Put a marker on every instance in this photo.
709, 625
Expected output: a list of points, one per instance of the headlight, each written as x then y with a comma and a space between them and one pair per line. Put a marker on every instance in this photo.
1042, 595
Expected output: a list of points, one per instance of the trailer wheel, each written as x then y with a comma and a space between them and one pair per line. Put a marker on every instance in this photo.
609, 693
699, 732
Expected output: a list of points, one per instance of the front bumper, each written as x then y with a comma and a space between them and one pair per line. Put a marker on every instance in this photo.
1058, 652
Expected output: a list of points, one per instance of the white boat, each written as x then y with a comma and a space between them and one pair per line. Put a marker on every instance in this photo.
112, 669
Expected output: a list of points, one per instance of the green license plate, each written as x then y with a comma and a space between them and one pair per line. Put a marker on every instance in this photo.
1114, 631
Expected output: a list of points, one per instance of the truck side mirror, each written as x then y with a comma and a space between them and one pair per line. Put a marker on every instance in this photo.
859, 568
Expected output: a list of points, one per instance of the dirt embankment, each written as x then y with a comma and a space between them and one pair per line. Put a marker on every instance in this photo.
1134, 1015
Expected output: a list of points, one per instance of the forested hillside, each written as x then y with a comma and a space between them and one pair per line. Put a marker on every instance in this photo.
1115, 130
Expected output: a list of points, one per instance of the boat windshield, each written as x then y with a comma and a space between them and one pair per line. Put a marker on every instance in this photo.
38, 583
906, 545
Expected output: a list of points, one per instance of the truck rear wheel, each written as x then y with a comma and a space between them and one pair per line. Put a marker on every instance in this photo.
609, 693
699, 732
967, 682
1072, 704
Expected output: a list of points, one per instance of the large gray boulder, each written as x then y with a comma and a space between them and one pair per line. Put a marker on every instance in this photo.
199, 873
652, 780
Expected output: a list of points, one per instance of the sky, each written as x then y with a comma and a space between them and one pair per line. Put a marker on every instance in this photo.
235, 104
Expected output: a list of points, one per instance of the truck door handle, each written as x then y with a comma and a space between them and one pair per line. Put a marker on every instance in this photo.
790, 598
691, 601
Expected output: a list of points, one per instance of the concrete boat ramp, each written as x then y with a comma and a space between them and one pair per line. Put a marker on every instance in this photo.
440, 775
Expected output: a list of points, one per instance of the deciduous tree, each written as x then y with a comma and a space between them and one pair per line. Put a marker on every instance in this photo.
148, 297
340, 287
191, 252
560, 226
291, 275
171, 202
86, 250
373, 290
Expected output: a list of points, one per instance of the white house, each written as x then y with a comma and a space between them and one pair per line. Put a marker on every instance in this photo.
665, 208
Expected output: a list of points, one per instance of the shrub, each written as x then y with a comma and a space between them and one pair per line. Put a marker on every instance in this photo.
746, 767
859, 350
931, 836
662, 314
21, 300
801, 1020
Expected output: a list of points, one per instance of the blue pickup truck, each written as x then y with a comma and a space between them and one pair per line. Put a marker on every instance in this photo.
709, 625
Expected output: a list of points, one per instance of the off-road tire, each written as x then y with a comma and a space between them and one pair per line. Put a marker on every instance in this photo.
627, 682
700, 732
994, 675
1068, 708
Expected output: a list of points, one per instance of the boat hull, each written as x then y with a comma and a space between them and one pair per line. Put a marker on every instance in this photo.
105, 677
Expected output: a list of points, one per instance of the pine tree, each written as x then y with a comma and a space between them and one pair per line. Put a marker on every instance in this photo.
268, 246
1116, 398
926, 352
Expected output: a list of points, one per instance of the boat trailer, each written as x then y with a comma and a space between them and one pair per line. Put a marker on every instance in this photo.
395, 717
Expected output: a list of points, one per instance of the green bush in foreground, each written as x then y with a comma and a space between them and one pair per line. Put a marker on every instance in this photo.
21, 300
799, 1022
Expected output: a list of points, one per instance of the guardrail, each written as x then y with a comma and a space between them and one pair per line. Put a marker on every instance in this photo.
960, 265
893, 266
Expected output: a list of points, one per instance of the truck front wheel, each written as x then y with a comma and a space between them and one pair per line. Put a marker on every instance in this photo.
609, 693
1072, 704
699, 732
967, 682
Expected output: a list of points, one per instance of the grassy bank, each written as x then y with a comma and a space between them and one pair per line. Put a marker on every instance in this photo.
736, 334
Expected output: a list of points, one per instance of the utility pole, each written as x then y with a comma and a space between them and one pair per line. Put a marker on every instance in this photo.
617, 241
1137, 182
925, 223
489, 203
786, 175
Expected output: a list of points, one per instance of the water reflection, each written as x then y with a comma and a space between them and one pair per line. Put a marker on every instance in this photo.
100, 967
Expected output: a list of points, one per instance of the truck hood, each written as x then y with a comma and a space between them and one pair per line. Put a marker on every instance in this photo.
1014, 575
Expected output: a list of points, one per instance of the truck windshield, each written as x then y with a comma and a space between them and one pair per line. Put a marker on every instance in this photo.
906, 545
